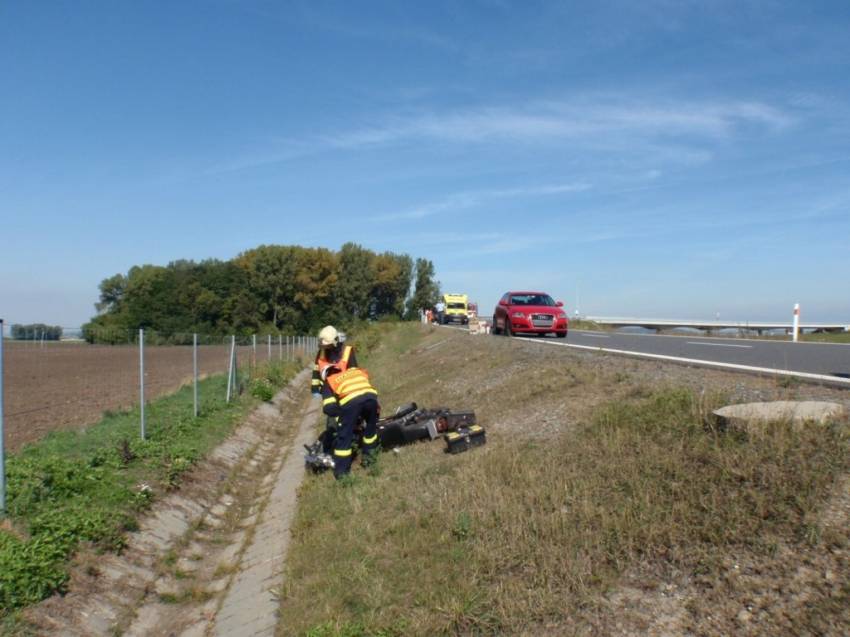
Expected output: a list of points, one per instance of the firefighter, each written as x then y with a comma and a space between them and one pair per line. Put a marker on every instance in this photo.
332, 350
348, 396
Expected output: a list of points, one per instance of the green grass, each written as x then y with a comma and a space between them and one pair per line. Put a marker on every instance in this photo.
91, 485
828, 337
582, 324
526, 535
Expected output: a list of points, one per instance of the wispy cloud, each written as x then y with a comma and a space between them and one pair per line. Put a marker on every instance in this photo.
577, 120
666, 127
471, 199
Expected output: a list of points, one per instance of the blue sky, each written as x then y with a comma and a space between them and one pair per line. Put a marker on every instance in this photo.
658, 158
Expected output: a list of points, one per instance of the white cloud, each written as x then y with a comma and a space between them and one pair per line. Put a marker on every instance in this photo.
472, 199
583, 119
667, 128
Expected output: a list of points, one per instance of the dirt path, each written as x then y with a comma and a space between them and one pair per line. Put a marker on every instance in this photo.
208, 560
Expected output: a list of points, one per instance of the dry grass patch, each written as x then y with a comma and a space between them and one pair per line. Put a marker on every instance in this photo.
531, 535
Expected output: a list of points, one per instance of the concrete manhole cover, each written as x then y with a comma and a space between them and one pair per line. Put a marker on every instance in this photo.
796, 412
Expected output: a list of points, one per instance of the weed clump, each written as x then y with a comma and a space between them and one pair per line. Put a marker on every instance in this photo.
262, 389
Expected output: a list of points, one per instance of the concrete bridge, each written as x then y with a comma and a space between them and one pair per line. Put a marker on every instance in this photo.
714, 325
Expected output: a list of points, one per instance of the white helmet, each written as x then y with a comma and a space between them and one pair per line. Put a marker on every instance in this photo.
328, 336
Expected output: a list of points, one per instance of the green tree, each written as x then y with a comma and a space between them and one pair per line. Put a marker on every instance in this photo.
112, 292
271, 288
426, 291
391, 277
36, 332
355, 283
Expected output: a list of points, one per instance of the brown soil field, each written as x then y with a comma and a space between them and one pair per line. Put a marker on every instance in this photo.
70, 385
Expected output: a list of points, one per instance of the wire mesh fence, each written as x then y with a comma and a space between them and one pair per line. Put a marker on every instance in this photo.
70, 383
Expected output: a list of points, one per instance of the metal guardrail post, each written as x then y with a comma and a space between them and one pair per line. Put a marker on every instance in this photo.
2, 448
270, 348
195, 373
230, 367
142, 381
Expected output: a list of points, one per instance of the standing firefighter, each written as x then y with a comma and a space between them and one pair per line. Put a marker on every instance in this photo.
347, 396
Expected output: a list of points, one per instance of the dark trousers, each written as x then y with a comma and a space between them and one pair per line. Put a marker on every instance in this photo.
329, 434
365, 407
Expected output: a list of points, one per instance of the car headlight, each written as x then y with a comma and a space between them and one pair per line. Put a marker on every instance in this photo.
518, 315
561, 314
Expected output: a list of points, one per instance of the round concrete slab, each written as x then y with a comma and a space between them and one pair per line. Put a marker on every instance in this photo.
797, 412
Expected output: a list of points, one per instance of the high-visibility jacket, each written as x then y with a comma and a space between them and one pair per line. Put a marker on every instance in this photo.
343, 352
323, 363
350, 384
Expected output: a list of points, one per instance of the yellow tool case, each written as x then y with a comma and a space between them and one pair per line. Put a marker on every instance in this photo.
465, 438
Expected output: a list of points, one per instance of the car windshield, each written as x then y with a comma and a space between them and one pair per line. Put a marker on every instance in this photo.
532, 299
457, 306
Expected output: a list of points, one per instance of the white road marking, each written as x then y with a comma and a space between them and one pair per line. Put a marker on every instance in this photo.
596, 335
719, 344
838, 380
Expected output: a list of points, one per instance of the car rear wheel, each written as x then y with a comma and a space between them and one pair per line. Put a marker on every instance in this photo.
561, 334
494, 328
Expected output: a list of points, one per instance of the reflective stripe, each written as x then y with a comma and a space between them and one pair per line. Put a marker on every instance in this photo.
328, 401
351, 386
342, 453
360, 393
348, 381
315, 381
369, 441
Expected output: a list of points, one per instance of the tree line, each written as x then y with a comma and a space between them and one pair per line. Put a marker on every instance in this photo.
36, 332
271, 289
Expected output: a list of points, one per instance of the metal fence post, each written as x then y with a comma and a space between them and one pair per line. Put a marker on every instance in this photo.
2, 448
270, 348
142, 381
254, 345
279, 347
195, 372
230, 367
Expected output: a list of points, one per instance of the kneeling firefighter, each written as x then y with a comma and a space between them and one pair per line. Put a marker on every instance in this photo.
331, 350
348, 396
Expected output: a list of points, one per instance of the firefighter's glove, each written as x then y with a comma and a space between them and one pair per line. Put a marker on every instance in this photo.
330, 370
332, 424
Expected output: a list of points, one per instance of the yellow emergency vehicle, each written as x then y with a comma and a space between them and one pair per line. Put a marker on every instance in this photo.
457, 308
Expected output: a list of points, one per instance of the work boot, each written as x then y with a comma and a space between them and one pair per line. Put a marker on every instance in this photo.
342, 466
369, 458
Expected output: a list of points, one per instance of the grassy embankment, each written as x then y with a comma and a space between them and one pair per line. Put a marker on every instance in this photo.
827, 337
581, 324
531, 535
92, 485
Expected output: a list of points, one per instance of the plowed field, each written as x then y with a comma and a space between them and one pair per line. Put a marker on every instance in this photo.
70, 385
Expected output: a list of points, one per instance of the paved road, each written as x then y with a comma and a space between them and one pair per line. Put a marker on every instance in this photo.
827, 359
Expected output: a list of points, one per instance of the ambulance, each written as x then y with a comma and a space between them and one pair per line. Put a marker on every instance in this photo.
457, 308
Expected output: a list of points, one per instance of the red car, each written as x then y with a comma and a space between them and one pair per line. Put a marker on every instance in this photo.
529, 313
